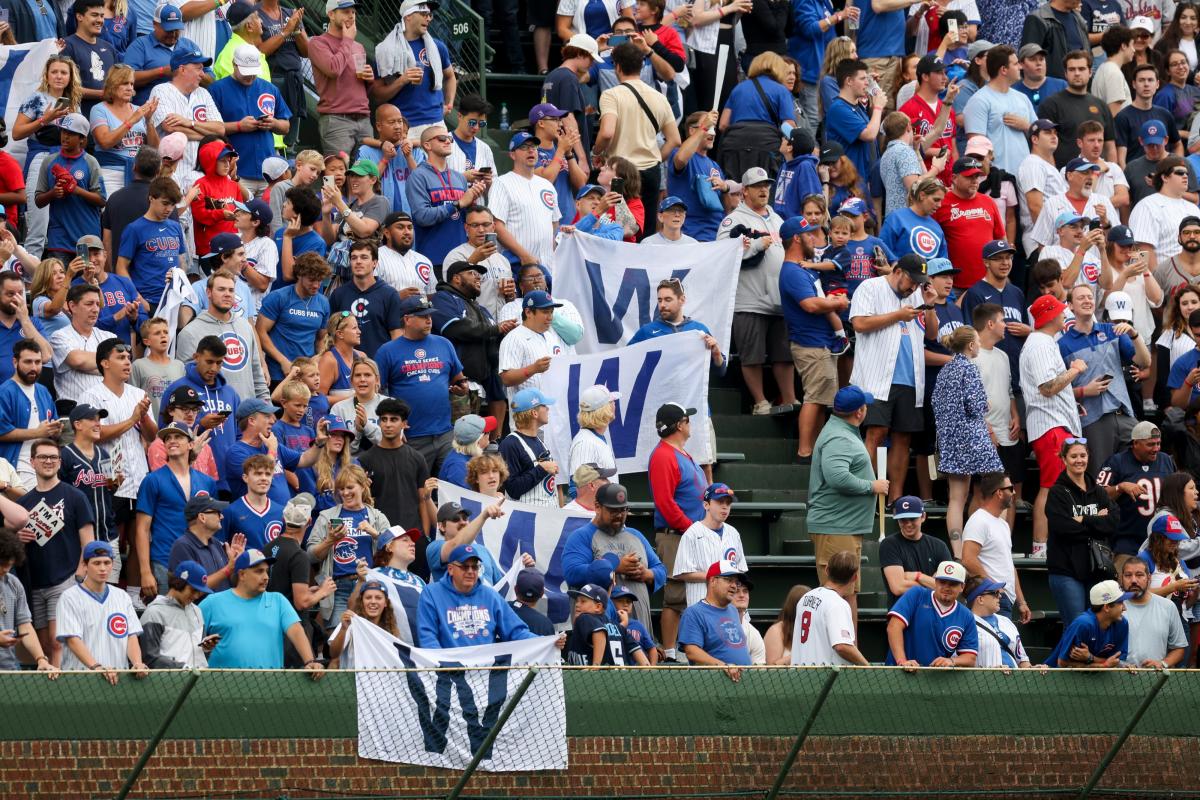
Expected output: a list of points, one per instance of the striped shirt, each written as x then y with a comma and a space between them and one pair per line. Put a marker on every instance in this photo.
198, 106
263, 257
1155, 221
589, 447
521, 347
71, 384
1042, 362
528, 207
127, 451
875, 356
699, 548
408, 271
104, 622
704, 37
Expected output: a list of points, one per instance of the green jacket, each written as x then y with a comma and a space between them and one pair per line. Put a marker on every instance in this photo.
840, 499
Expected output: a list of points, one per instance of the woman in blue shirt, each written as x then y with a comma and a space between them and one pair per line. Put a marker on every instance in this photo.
836, 52
49, 292
758, 112
119, 128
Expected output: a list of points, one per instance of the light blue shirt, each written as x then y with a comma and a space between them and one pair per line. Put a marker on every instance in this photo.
251, 631
985, 115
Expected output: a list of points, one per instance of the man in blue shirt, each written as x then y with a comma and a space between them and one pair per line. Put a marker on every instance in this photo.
996, 288
255, 419
881, 41
671, 318
254, 111
929, 627
710, 632
1099, 637
848, 122
375, 304
423, 370
150, 55
291, 322
414, 69
1034, 83
697, 180
437, 196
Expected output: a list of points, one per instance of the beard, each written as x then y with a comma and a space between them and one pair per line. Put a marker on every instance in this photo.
1191, 245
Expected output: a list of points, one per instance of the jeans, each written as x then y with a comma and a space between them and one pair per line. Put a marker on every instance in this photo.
1070, 595
341, 598
160, 575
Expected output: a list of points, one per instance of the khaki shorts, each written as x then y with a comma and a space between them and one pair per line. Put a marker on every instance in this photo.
825, 545
818, 373
674, 593
44, 605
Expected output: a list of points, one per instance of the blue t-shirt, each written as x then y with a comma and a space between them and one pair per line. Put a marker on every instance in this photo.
235, 101
419, 102
905, 373
377, 310
596, 21
857, 260
843, 124
45, 20
252, 631
119, 157
393, 176
153, 250
260, 527
985, 114
297, 321
716, 631
310, 242
804, 328
352, 547
115, 292
48, 326
929, 631
418, 371
879, 35
700, 224
1051, 86
905, 231
72, 217
745, 104
797, 180
1180, 369
299, 438
1085, 630
160, 497
239, 451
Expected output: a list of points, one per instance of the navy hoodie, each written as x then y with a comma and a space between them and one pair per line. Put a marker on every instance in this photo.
217, 398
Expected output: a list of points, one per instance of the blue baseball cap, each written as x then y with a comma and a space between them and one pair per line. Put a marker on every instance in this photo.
195, 575
592, 592
372, 585
529, 399
987, 585
224, 243
97, 549
463, 553
257, 209
539, 299
521, 139
587, 189
719, 491
851, 398
1122, 235
255, 406
671, 201
855, 205
940, 266
1078, 164
1169, 527
794, 226
599, 572
180, 56
1067, 218
169, 17
251, 557
998, 246
396, 532
529, 585
908, 507
621, 591
417, 306
339, 425
1153, 132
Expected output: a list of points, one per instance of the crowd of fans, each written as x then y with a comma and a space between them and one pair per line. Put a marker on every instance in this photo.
241, 365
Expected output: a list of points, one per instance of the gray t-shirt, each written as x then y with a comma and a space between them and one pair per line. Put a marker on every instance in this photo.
154, 378
14, 612
1154, 628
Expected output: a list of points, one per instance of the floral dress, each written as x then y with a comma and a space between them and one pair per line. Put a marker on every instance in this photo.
959, 413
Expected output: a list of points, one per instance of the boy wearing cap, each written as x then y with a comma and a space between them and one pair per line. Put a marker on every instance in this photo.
173, 627
710, 633
530, 586
532, 472
708, 540
98, 626
999, 642
997, 289
932, 116
526, 350
254, 109
1035, 83
824, 633
798, 176
623, 600
594, 640
1141, 123
71, 185
969, 219
909, 558
930, 628
212, 208
471, 435
460, 610
1099, 637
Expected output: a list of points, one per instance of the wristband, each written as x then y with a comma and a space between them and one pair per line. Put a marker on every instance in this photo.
312, 661
96, 666
40, 659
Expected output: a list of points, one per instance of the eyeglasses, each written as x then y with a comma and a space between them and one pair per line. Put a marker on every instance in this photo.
477, 123
47, 458
1007, 489
473, 567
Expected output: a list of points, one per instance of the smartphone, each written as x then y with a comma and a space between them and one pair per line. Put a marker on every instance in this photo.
925, 307
617, 185
3, 15
1106, 377
1094, 224
81, 250
62, 102
879, 254
617, 39
941, 153
212, 638
492, 238
488, 170
262, 117
952, 27
330, 181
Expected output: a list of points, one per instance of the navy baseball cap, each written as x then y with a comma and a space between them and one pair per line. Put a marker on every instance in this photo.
1122, 235
908, 507
968, 167
621, 591
916, 267
539, 299
195, 575
1078, 164
529, 399
1040, 125
255, 406
671, 201
587, 189
986, 585
169, 17
224, 243
185, 396
996, 247
521, 139
202, 503
417, 306
257, 209
530, 584
339, 425
180, 56
84, 411
794, 226
251, 557
855, 206
928, 64
719, 491
592, 592
1153, 132
851, 398
464, 553
97, 549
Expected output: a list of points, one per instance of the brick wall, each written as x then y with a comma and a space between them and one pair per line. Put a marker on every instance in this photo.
607, 767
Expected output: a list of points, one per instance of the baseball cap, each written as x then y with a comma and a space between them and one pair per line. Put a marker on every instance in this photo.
75, 123
180, 56
977, 48
612, 495
592, 592
84, 411
90, 241
545, 111
1067, 218
298, 510
1046, 308
172, 146
1152, 132
522, 138
855, 206
802, 140
1107, 592
1042, 125
539, 299
997, 247
669, 415
851, 398
1122, 235
581, 41
176, 429
255, 406
529, 399
245, 56
530, 584
1142, 23
968, 167
1030, 50
225, 243
940, 266
794, 226
416, 307
195, 575
202, 503
464, 266
1144, 430
338, 425
586, 473
951, 571
979, 145
620, 591
184, 396
1169, 526
1078, 164
396, 216
463, 553
986, 585
96, 549
272, 169
413, 6
831, 152
588, 188
397, 532
469, 427
364, 169
169, 17
722, 569
1119, 306
596, 397
755, 175
251, 557
719, 491
1190, 221
908, 507
450, 511
258, 209
915, 266
929, 63
334, 5
671, 201
602, 570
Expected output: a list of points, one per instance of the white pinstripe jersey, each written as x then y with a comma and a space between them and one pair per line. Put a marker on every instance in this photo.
70, 384
522, 346
875, 352
457, 160
528, 207
198, 105
1041, 361
699, 548
1155, 221
589, 447
1045, 233
489, 291
409, 271
103, 622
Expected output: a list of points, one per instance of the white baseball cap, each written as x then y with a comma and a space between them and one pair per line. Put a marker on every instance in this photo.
596, 397
1107, 592
246, 59
1119, 306
1145, 23
581, 41
951, 571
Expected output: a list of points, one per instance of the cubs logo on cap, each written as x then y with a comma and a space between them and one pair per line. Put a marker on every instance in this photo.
951, 571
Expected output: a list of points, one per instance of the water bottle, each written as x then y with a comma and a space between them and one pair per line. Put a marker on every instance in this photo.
504, 116
851, 22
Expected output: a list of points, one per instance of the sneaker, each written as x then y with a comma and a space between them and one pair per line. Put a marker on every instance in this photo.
761, 409
1039, 551
841, 346
784, 408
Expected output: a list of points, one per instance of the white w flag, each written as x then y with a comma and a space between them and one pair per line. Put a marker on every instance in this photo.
666, 369
439, 719
615, 285
20, 75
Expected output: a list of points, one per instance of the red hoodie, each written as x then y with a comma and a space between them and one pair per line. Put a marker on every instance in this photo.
217, 193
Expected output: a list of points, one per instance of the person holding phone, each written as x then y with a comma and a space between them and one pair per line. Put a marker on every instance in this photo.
254, 110
172, 626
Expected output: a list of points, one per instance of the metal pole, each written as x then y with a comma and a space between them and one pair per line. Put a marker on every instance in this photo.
505, 713
1120, 742
152, 745
808, 723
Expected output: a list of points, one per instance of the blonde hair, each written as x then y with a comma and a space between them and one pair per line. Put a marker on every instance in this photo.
353, 473
310, 157
118, 75
370, 364
923, 187
485, 463
74, 89
336, 321
593, 420
840, 221
303, 362
959, 339
523, 418
328, 466
770, 64
295, 390
43, 275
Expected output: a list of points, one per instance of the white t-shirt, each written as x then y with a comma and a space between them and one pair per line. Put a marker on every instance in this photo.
996, 373
409, 271
1040, 362
263, 257
128, 453
755, 645
875, 352
699, 548
994, 538
1036, 173
823, 619
528, 207
1155, 221
104, 622
1110, 86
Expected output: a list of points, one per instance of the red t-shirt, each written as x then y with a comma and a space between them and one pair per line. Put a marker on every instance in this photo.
923, 117
969, 225
12, 179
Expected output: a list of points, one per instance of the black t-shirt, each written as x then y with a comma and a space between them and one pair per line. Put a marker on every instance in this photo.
562, 88
55, 517
1069, 110
127, 204
922, 555
291, 566
618, 652
537, 622
397, 477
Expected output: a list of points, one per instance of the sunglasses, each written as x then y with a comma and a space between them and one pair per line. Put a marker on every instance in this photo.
1179, 173
443, 138
477, 123
1075, 440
